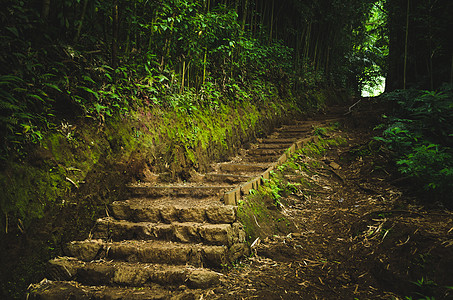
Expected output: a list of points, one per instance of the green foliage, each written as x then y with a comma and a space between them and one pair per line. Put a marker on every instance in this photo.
24, 112
320, 131
431, 164
174, 54
420, 137
368, 62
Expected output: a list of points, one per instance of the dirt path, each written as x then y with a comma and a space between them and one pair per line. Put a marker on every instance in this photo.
356, 234
359, 235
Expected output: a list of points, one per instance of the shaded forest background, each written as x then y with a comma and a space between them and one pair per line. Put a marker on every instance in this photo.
85, 83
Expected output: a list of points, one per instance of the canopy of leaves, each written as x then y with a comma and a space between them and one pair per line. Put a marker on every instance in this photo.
66, 59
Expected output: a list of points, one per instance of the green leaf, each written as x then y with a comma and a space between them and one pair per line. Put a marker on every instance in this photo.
13, 30
99, 107
36, 97
88, 78
108, 76
90, 91
53, 86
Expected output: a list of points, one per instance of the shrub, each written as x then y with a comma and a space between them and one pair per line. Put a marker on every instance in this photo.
419, 135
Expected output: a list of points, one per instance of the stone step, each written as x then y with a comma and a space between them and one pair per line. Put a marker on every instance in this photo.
228, 178
187, 232
295, 129
261, 159
243, 167
266, 152
152, 191
274, 146
115, 273
57, 290
299, 125
197, 255
277, 140
289, 135
173, 210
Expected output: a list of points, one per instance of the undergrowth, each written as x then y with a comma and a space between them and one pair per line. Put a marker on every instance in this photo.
419, 135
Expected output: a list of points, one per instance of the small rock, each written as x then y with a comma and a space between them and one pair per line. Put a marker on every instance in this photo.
203, 279
219, 291
334, 165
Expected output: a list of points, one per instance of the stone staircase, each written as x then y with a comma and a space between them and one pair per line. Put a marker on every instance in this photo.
170, 241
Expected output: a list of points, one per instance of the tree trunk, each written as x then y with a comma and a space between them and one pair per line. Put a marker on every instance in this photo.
115, 35
451, 72
405, 45
272, 22
45, 9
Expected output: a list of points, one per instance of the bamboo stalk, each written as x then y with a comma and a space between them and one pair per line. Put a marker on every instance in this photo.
183, 74
45, 9
315, 54
405, 45
272, 21
188, 74
79, 28
245, 11
327, 60
204, 65
307, 41
115, 33
451, 75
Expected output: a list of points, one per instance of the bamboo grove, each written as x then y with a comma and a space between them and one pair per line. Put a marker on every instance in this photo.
192, 38
98, 57
95, 58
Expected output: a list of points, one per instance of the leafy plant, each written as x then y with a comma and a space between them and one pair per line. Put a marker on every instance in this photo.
420, 137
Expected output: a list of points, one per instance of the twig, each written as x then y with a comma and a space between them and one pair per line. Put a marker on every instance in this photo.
256, 222
255, 242
350, 107
20, 225
314, 191
403, 243
71, 181
393, 211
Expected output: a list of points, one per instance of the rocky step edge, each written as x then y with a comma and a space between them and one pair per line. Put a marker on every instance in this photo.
58, 290
233, 196
170, 210
126, 274
197, 255
184, 232
152, 190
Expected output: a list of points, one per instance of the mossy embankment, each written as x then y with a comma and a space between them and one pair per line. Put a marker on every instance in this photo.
264, 212
56, 192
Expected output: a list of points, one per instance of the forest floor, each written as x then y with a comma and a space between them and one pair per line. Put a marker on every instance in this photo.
364, 235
